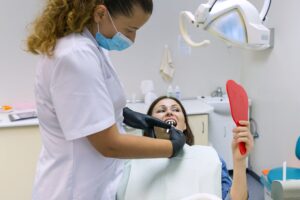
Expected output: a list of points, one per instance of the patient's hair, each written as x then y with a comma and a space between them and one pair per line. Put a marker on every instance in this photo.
62, 17
187, 132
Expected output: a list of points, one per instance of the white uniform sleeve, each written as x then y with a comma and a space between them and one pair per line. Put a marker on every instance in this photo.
80, 96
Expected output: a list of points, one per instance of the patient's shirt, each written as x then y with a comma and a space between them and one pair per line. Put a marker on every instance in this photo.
226, 181
196, 169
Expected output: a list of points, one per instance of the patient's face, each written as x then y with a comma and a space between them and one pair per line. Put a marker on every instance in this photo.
168, 110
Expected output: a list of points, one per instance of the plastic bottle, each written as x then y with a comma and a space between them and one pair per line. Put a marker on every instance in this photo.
150, 97
147, 88
170, 91
177, 92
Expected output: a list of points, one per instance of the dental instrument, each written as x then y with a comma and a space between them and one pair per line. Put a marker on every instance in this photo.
237, 22
172, 123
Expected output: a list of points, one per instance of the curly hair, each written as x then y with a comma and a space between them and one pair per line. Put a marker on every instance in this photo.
62, 17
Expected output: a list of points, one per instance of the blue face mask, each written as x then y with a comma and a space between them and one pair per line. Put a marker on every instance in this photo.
117, 42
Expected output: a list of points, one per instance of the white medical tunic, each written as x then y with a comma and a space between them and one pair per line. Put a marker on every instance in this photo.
78, 94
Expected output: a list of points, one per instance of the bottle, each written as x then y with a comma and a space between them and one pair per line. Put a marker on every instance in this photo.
177, 92
170, 91
147, 87
150, 97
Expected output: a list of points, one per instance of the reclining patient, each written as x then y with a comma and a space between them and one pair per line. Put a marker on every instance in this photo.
197, 169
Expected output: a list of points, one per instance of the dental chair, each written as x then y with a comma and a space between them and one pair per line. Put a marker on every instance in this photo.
278, 189
194, 174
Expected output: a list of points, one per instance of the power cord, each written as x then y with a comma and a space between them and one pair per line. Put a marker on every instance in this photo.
253, 128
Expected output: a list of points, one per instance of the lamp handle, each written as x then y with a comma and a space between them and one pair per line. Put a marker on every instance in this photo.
188, 15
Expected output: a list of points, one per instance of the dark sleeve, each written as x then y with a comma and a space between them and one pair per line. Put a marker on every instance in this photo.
226, 180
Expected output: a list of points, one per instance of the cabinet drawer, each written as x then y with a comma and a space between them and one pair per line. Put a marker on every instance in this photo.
199, 126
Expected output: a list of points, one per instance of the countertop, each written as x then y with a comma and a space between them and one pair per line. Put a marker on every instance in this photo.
5, 123
192, 107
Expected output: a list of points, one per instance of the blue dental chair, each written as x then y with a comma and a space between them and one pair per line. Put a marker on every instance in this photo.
276, 188
291, 172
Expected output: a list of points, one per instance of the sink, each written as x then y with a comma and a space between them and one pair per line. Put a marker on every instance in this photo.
220, 104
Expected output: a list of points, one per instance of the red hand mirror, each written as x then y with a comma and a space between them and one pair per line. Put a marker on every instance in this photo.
238, 101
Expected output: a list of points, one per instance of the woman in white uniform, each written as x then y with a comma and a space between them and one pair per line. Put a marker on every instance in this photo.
80, 98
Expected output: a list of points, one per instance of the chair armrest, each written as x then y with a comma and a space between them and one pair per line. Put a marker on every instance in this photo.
282, 190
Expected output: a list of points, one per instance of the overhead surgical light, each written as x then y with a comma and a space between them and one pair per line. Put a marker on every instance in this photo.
235, 21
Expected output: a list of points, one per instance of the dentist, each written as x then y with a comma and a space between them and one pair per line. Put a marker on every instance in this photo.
80, 98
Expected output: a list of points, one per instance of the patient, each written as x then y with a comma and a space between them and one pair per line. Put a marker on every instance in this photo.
197, 169
170, 110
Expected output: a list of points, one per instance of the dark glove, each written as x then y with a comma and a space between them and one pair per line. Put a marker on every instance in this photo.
178, 140
143, 121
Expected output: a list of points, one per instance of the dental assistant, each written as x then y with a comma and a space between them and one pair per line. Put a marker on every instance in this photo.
80, 99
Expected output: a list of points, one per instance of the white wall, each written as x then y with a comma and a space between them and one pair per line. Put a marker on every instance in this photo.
196, 74
272, 79
16, 66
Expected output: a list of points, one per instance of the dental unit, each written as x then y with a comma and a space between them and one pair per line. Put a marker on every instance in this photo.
237, 22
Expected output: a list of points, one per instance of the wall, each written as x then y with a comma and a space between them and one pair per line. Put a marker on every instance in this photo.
16, 66
197, 73
272, 81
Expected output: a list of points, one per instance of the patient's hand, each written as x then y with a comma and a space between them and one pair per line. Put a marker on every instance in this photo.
241, 134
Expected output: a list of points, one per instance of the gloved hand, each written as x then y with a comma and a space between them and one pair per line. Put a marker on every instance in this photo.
178, 140
143, 121
147, 123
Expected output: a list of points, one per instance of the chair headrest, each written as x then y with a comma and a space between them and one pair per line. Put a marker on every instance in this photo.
297, 151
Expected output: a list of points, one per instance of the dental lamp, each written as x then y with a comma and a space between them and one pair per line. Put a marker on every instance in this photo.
237, 22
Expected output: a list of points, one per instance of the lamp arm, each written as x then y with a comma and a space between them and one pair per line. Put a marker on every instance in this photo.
182, 27
265, 9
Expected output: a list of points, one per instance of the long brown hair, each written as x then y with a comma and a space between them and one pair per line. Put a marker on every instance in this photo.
62, 17
187, 132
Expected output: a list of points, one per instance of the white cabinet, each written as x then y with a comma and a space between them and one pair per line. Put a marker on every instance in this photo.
19, 151
220, 136
199, 126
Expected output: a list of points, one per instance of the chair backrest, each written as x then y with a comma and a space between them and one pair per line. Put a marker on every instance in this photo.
297, 151
196, 169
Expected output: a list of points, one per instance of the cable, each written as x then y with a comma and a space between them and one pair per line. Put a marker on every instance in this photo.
253, 128
264, 18
212, 5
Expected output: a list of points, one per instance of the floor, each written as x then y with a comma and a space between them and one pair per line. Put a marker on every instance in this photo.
256, 190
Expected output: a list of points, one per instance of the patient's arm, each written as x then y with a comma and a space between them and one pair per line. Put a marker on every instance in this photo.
239, 189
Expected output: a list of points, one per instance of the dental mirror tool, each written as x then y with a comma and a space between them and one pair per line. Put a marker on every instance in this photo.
172, 123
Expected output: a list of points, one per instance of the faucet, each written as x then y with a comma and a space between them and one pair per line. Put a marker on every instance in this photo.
217, 93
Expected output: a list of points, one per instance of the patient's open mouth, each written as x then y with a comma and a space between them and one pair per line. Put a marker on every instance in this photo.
171, 122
